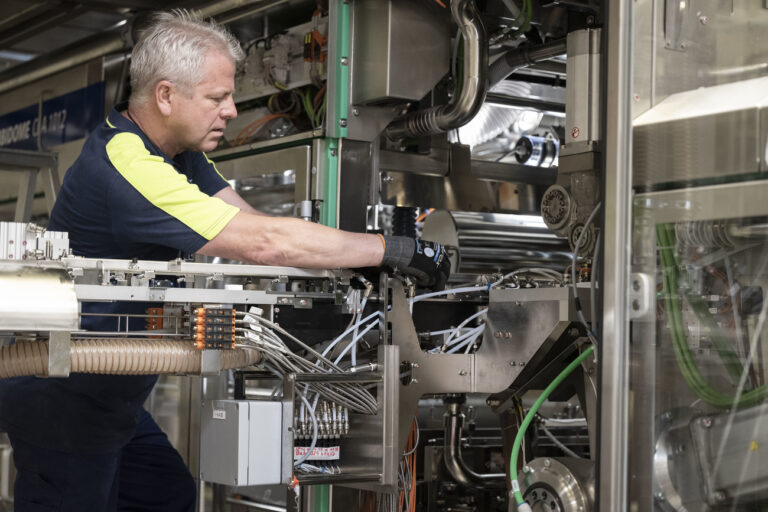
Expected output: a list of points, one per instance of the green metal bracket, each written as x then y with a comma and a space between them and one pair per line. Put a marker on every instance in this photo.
337, 122
329, 207
340, 12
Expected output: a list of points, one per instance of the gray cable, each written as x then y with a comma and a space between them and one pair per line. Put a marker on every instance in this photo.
559, 443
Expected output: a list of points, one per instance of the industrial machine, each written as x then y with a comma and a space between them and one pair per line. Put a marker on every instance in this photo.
597, 174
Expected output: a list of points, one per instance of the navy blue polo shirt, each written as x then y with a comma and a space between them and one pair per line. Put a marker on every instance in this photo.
122, 198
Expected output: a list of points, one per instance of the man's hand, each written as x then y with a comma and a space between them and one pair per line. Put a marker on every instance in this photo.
426, 261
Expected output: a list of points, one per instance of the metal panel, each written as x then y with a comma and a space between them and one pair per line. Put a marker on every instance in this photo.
582, 121
372, 445
297, 159
400, 49
356, 175
224, 443
716, 42
673, 141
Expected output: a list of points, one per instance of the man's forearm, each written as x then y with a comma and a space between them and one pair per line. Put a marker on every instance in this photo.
293, 242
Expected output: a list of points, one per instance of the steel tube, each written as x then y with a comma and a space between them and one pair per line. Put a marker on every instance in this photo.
454, 462
613, 352
523, 57
487, 242
464, 106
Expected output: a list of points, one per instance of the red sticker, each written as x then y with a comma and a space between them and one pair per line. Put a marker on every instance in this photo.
575, 132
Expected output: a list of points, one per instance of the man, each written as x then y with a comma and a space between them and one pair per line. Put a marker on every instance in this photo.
143, 188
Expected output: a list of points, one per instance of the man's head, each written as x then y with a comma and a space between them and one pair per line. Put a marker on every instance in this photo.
182, 69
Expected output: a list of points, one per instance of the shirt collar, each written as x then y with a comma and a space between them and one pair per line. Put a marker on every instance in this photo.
118, 120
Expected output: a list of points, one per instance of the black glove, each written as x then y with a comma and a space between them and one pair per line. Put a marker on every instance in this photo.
426, 261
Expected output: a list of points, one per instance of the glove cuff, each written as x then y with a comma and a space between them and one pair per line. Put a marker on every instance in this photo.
398, 251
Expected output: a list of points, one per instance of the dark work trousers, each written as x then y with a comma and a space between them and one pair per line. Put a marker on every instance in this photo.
147, 474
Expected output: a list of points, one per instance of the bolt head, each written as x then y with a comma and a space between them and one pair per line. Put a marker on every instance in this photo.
706, 422
355, 111
547, 463
719, 496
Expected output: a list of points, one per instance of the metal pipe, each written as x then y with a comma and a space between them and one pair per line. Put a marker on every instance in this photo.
612, 476
454, 423
523, 57
464, 106
99, 45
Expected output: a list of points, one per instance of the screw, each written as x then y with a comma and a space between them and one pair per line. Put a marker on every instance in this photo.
719, 496
547, 463
703, 19
342, 122
415, 365
344, 61
414, 381
526, 469
462, 372
660, 496
355, 111
666, 416
636, 285
636, 305
706, 422
334, 152
512, 363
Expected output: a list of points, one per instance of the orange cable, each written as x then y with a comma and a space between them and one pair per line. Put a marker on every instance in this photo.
255, 125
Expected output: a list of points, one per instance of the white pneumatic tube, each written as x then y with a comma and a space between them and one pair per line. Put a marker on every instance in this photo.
117, 356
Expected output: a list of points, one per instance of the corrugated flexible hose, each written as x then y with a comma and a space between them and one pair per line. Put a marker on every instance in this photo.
118, 356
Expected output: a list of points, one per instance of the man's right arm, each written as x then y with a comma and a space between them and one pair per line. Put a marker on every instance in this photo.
293, 242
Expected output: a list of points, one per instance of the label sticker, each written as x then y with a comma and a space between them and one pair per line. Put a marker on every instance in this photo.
325, 453
219, 414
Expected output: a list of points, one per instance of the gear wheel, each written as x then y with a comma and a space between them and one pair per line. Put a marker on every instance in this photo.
555, 207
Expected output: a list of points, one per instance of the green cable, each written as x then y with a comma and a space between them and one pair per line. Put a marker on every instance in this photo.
529, 417
688, 368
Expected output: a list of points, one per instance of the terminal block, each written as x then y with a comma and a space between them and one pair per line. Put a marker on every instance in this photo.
214, 328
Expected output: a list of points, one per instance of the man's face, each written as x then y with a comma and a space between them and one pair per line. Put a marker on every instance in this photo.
199, 119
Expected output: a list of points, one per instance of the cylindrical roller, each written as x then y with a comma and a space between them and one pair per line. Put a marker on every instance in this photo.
486, 242
118, 356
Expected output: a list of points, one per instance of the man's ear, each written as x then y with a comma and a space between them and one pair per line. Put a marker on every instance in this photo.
164, 91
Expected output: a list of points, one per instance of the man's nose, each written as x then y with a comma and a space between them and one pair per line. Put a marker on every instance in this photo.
229, 111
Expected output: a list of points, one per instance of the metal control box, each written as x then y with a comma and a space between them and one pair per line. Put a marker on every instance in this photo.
241, 442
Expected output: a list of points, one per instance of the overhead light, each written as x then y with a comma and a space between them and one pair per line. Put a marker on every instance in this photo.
17, 56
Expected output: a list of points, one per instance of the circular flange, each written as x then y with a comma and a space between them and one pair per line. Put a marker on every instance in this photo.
555, 207
561, 484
